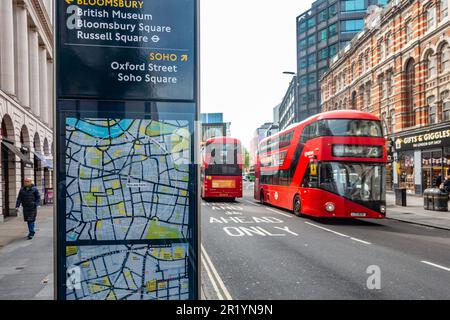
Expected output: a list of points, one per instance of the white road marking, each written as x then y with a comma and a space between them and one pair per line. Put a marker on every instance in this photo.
359, 240
208, 271
278, 212
436, 265
216, 274
336, 233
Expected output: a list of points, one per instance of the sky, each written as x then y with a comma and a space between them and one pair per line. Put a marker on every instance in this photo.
246, 45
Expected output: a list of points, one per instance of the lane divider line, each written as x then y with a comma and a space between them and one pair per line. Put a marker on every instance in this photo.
211, 278
337, 233
278, 212
359, 240
216, 274
436, 265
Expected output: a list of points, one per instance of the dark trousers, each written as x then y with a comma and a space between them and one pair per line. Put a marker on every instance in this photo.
31, 225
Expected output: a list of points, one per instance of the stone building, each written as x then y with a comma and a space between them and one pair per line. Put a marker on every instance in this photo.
26, 97
398, 68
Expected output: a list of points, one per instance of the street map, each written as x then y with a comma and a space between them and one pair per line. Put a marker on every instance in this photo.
127, 179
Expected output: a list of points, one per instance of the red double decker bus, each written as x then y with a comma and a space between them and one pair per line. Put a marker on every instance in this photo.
221, 170
330, 165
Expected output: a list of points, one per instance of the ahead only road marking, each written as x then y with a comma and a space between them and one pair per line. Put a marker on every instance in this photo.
436, 265
212, 273
337, 233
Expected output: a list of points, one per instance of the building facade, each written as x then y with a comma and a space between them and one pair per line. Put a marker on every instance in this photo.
288, 112
264, 131
213, 126
26, 98
321, 32
399, 70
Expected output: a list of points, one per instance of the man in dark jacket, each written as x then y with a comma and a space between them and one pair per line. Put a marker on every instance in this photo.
30, 199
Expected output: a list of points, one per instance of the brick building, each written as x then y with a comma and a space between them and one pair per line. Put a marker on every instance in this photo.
398, 68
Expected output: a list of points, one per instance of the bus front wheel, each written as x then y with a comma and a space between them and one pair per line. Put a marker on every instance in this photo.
298, 206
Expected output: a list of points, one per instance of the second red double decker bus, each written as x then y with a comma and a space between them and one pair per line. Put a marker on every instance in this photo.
221, 170
330, 165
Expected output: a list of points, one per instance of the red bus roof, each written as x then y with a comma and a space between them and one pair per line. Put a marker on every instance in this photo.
336, 114
223, 140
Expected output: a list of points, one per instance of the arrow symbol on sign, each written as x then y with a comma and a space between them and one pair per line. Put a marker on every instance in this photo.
69, 1
184, 57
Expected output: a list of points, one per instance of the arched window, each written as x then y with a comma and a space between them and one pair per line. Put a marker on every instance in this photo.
444, 55
445, 98
410, 82
431, 65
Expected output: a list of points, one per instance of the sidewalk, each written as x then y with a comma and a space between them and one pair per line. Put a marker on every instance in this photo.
415, 213
26, 266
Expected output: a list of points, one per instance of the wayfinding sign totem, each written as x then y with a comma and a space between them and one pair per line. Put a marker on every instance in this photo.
126, 107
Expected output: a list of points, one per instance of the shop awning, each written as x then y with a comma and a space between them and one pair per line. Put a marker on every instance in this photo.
45, 162
27, 162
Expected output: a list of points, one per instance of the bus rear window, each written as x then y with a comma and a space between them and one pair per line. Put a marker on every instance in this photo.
350, 127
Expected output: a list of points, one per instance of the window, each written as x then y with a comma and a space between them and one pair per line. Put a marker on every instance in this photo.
304, 81
388, 45
445, 58
431, 65
354, 25
353, 5
349, 128
332, 10
446, 110
431, 16
311, 59
333, 50
323, 35
323, 54
311, 40
382, 86
432, 115
380, 50
304, 99
323, 16
392, 120
312, 78
311, 22
443, 9
332, 29
303, 64
302, 26
409, 31
312, 97
303, 45
390, 83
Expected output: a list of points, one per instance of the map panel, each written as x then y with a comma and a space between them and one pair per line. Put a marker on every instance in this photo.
127, 272
127, 179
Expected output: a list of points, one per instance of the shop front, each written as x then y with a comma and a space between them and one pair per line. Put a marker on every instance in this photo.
422, 159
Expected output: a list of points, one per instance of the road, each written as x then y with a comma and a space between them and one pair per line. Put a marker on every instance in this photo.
259, 252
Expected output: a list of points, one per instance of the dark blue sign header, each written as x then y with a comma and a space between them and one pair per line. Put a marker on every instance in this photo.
131, 50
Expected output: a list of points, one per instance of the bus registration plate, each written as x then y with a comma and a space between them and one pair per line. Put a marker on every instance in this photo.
223, 184
358, 214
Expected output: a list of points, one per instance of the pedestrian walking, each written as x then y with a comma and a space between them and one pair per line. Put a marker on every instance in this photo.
30, 199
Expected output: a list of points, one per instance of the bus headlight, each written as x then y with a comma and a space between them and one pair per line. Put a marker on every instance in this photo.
330, 207
383, 209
